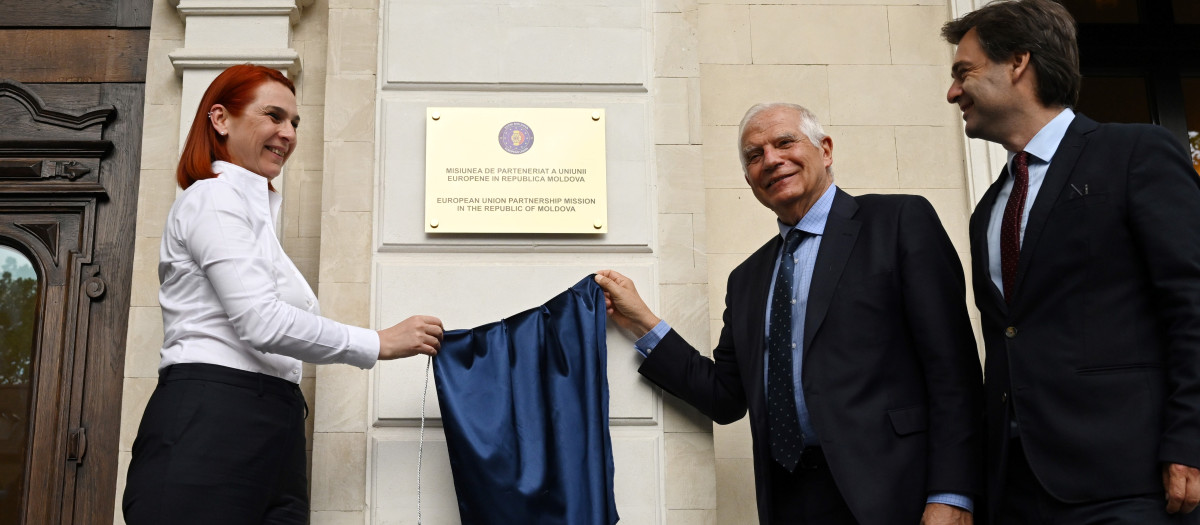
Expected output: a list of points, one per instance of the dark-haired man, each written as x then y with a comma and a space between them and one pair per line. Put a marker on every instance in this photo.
1086, 263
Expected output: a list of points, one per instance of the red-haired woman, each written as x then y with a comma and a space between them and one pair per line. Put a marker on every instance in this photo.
222, 438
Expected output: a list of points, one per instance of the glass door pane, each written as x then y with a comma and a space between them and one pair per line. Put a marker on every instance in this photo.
18, 335
1115, 99
1186, 11
1103, 11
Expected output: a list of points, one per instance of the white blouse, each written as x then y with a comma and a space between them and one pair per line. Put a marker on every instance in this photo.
230, 296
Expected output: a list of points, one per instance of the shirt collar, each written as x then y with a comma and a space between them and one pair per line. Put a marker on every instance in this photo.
1045, 143
813, 222
252, 186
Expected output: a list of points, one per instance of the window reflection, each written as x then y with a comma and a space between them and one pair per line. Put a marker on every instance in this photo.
18, 332
1191, 106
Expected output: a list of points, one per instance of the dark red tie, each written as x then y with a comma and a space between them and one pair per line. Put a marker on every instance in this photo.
1010, 227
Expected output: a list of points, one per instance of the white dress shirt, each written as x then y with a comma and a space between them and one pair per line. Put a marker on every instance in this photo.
230, 296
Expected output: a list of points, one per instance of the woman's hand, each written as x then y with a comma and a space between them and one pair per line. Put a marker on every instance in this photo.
419, 334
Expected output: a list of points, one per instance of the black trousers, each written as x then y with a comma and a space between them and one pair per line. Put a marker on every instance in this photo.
1025, 502
807, 495
219, 445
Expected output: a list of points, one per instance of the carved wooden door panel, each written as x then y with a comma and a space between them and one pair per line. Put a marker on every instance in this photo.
68, 183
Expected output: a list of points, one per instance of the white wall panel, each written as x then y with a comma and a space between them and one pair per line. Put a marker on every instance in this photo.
468, 291
508, 54
636, 478
395, 480
541, 42
637, 475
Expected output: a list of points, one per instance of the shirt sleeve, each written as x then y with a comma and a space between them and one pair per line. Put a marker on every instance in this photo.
954, 500
645, 344
222, 241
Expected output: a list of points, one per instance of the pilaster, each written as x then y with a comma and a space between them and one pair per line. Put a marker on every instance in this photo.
222, 33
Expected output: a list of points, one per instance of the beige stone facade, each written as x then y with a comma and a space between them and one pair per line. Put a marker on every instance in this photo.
874, 72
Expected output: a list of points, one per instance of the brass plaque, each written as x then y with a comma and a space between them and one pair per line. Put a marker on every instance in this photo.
515, 170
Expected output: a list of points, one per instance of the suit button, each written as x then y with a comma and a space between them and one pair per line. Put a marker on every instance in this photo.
1004, 397
1010, 332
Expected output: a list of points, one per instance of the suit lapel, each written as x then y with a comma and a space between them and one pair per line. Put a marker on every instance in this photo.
1060, 170
841, 231
979, 241
762, 269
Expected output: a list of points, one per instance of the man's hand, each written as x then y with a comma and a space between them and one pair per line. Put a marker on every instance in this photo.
1182, 484
942, 514
419, 334
625, 307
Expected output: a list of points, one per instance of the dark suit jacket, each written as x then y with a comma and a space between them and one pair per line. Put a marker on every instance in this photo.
1102, 362
891, 371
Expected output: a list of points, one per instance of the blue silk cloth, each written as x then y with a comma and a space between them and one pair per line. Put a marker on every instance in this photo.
525, 410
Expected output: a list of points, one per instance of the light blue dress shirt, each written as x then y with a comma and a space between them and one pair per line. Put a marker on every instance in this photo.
1041, 151
805, 258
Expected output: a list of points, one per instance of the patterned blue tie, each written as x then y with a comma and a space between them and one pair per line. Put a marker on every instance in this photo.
781, 395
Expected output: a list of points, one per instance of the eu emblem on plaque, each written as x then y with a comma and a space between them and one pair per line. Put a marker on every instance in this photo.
516, 138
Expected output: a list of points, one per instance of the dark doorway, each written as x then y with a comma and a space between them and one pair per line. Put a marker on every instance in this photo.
1141, 63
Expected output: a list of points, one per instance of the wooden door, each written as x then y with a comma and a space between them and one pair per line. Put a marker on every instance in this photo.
71, 104
68, 182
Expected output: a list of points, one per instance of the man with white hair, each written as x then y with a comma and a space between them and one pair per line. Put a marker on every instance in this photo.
846, 337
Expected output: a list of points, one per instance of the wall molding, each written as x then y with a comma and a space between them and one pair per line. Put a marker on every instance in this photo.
289, 8
286, 59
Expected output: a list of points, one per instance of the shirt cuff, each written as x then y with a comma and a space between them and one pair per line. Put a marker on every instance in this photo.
363, 350
952, 499
647, 342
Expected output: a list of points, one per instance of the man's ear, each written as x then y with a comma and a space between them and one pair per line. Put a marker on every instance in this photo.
1019, 64
218, 117
827, 150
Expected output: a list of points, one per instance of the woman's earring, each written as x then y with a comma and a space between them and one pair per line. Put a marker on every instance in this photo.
219, 132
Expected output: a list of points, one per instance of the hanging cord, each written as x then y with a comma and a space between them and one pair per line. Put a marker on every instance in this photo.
421, 442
